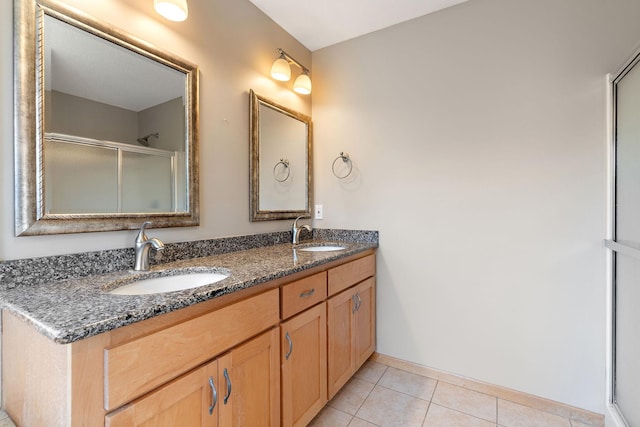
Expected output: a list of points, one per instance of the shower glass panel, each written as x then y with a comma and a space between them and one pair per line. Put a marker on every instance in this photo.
115, 177
627, 372
147, 183
98, 167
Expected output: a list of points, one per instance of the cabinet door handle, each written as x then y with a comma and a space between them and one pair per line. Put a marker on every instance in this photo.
308, 293
359, 301
354, 303
290, 346
214, 395
226, 377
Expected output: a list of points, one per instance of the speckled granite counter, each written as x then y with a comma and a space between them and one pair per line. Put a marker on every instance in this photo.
74, 308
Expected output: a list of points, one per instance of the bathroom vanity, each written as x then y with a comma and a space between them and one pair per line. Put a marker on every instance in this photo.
270, 351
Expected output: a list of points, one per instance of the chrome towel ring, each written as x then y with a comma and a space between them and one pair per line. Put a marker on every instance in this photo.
285, 165
345, 158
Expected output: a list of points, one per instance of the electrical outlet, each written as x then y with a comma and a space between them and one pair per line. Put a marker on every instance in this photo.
318, 211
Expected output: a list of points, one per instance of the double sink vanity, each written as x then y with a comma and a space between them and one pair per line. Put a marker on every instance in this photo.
248, 331
280, 332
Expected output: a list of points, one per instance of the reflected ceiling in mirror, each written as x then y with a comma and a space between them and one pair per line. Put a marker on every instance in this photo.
280, 161
106, 133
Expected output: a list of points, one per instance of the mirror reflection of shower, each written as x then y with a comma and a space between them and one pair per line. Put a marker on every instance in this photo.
145, 139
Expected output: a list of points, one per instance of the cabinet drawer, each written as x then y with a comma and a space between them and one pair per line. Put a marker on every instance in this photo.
302, 294
349, 274
136, 367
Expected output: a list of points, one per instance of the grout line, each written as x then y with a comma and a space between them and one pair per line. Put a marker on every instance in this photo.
464, 413
400, 392
424, 420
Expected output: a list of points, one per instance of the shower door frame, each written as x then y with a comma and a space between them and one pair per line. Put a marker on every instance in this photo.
613, 414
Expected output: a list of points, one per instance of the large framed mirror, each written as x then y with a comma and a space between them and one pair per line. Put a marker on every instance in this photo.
106, 126
281, 161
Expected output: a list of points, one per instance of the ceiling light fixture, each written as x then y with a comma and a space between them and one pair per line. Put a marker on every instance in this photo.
173, 10
281, 70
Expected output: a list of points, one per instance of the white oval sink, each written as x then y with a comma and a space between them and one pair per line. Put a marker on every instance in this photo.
321, 248
177, 282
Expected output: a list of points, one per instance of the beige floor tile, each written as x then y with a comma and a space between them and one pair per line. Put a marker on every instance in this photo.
5, 421
406, 382
514, 415
331, 417
357, 422
439, 416
386, 407
352, 396
371, 371
468, 401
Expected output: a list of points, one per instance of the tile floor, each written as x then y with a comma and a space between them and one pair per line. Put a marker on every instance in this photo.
380, 395
5, 421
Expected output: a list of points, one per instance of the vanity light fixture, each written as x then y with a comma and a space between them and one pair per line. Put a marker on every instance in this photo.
281, 70
173, 10
302, 84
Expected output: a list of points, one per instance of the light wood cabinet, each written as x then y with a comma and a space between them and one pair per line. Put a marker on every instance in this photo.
304, 366
250, 379
240, 388
350, 332
302, 294
135, 367
275, 353
191, 400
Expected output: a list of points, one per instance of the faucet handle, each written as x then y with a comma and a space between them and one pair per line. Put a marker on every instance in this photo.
295, 222
141, 234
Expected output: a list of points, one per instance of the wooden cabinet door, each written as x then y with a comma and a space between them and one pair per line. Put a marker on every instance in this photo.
303, 341
249, 376
365, 322
187, 401
350, 332
340, 340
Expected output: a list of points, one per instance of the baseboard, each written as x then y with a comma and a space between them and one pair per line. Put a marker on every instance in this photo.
546, 405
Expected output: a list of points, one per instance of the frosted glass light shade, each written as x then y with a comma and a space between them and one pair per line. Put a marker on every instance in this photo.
302, 85
173, 10
280, 70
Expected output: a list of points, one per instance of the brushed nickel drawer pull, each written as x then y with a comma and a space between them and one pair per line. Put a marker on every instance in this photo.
290, 346
226, 377
308, 293
214, 395
354, 303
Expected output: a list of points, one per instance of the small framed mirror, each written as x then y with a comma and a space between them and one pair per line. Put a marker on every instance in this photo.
281, 161
106, 126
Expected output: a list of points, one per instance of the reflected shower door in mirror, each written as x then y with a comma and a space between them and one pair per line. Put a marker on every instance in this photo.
116, 177
107, 127
280, 161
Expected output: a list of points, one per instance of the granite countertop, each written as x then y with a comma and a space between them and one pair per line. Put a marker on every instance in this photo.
73, 309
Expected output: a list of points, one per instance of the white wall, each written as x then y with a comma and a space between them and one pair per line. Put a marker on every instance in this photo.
478, 140
234, 44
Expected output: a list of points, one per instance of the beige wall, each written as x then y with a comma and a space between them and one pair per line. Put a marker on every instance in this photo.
234, 44
167, 120
478, 139
72, 115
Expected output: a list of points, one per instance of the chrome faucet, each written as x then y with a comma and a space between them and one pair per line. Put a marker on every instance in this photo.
295, 231
142, 247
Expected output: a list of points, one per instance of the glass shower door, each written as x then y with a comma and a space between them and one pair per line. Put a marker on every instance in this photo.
626, 245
